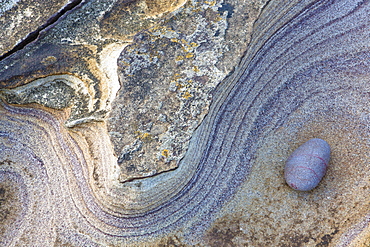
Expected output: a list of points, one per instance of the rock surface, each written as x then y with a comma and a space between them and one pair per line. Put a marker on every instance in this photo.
20, 20
168, 123
167, 77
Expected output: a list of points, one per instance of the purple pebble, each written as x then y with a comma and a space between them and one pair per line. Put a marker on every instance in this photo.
307, 165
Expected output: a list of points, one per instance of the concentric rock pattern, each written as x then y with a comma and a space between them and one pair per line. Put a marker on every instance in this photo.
304, 75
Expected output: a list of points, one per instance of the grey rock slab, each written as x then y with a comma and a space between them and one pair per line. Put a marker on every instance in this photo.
167, 78
20, 18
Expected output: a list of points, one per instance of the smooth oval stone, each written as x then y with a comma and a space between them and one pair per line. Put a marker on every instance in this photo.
307, 165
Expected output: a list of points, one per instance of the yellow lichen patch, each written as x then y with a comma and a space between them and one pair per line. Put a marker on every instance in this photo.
177, 76
179, 58
219, 18
187, 84
187, 95
189, 55
211, 3
143, 136
165, 153
185, 48
179, 85
196, 69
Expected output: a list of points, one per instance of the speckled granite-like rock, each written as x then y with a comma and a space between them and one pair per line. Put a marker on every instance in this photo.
168, 123
167, 77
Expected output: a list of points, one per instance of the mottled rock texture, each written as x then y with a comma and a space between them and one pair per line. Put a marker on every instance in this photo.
20, 20
168, 123
167, 76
